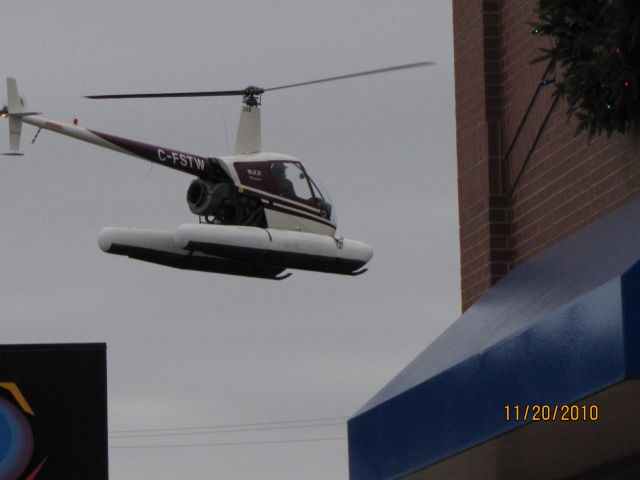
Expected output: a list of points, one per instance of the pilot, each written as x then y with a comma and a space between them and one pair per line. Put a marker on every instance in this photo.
282, 182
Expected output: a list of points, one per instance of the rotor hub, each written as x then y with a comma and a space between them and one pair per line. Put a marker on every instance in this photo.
252, 96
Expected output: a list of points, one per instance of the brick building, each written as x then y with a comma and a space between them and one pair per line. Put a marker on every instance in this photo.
550, 272
567, 182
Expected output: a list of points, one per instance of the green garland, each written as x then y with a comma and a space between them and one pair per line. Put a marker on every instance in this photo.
597, 45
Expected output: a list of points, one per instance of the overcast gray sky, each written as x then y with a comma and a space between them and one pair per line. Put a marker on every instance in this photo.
190, 349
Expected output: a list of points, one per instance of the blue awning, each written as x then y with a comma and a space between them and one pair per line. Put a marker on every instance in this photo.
556, 330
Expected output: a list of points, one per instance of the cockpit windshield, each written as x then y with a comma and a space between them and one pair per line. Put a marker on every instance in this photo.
324, 199
291, 180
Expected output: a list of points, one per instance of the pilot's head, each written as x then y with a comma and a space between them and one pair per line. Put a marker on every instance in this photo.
278, 168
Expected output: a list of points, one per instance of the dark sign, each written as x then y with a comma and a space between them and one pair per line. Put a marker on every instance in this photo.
53, 412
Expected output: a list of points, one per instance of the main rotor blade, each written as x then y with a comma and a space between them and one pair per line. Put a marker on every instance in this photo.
352, 75
251, 91
219, 93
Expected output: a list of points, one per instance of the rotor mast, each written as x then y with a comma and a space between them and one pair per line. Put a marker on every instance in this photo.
248, 139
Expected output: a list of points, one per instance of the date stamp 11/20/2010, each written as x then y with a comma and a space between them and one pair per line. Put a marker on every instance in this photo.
551, 413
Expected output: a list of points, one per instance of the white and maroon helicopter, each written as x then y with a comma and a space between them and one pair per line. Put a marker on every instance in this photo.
259, 213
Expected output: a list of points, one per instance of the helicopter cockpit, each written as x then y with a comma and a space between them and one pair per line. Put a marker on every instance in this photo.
288, 180
293, 182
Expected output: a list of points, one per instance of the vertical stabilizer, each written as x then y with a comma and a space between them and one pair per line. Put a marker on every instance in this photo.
14, 109
14, 103
248, 139
15, 128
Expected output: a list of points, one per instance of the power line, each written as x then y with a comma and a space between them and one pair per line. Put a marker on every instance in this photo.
133, 434
226, 444
231, 425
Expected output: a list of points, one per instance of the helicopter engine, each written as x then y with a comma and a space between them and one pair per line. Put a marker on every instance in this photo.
207, 198
218, 202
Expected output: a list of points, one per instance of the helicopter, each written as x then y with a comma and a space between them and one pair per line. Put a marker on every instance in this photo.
259, 213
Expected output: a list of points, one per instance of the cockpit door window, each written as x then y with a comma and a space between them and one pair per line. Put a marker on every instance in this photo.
291, 181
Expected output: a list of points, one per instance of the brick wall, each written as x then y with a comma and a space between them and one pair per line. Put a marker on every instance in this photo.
519, 197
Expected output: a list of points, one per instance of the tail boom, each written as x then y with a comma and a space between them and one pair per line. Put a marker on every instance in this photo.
185, 162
